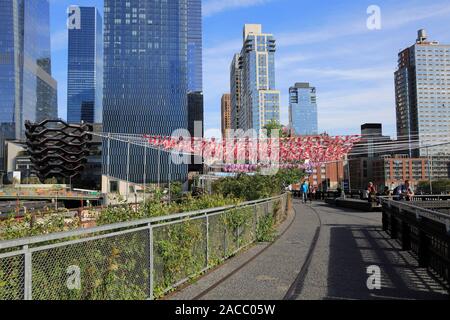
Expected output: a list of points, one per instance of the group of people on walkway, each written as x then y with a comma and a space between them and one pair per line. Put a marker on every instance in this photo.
308, 192
402, 192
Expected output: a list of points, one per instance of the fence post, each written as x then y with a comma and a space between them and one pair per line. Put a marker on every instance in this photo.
385, 221
406, 236
207, 241
28, 274
151, 274
255, 210
224, 240
424, 254
145, 172
394, 227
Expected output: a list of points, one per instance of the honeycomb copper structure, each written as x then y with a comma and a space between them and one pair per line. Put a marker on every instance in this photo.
58, 149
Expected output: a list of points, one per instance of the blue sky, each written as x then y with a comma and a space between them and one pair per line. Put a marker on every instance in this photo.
322, 42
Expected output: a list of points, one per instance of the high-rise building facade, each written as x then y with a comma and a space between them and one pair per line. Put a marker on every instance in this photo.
235, 96
422, 87
259, 100
303, 109
225, 114
195, 77
195, 46
27, 89
85, 65
145, 83
196, 126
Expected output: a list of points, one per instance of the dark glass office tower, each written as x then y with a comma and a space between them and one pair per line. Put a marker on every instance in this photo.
27, 89
85, 66
195, 46
195, 76
145, 82
196, 126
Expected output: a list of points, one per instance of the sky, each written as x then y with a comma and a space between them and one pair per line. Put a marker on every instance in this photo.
325, 43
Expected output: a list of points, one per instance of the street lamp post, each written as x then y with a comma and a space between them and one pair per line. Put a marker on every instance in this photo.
159, 168
170, 178
108, 173
145, 171
128, 170
348, 174
429, 171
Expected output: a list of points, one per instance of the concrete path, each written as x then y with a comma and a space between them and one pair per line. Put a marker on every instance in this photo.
324, 254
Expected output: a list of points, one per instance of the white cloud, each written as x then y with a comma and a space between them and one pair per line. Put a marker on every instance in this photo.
211, 7
349, 109
59, 40
391, 19
355, 74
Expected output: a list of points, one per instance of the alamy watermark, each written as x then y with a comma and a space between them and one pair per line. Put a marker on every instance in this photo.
374, 19
374, 280
74, 18
73, 281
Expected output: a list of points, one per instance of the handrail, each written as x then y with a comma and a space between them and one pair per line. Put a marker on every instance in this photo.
6, 244
419, 211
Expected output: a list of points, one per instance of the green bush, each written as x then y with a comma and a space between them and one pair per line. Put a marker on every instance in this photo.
266, 228
265, 231
257, 186
439, 186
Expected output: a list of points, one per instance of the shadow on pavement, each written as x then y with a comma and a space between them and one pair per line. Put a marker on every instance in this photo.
354, 248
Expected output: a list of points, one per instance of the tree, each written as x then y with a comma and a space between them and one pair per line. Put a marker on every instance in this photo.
439, 186
176, 190
288, 177
51, 181
273, 126
32, 180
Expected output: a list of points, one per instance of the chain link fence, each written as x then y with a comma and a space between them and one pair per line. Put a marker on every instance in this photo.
130, 261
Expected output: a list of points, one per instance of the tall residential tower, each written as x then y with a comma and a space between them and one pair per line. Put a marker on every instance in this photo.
303, 109
258, 98
422, 89
85, 66
225, 114
27, 89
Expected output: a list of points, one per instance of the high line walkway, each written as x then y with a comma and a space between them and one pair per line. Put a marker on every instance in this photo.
322, 252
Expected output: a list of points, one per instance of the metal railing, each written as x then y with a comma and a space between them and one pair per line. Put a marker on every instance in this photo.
46, 194
423, 231
132, 260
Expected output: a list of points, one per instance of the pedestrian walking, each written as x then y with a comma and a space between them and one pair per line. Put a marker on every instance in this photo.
305, 190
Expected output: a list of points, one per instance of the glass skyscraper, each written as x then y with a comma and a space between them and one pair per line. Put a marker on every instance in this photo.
85, 66
145, 82
259, 100
195, 46
27, 89
195, 77
422, 85
303, 109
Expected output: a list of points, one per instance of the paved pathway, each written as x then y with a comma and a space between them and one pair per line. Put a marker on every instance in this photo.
324, 254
